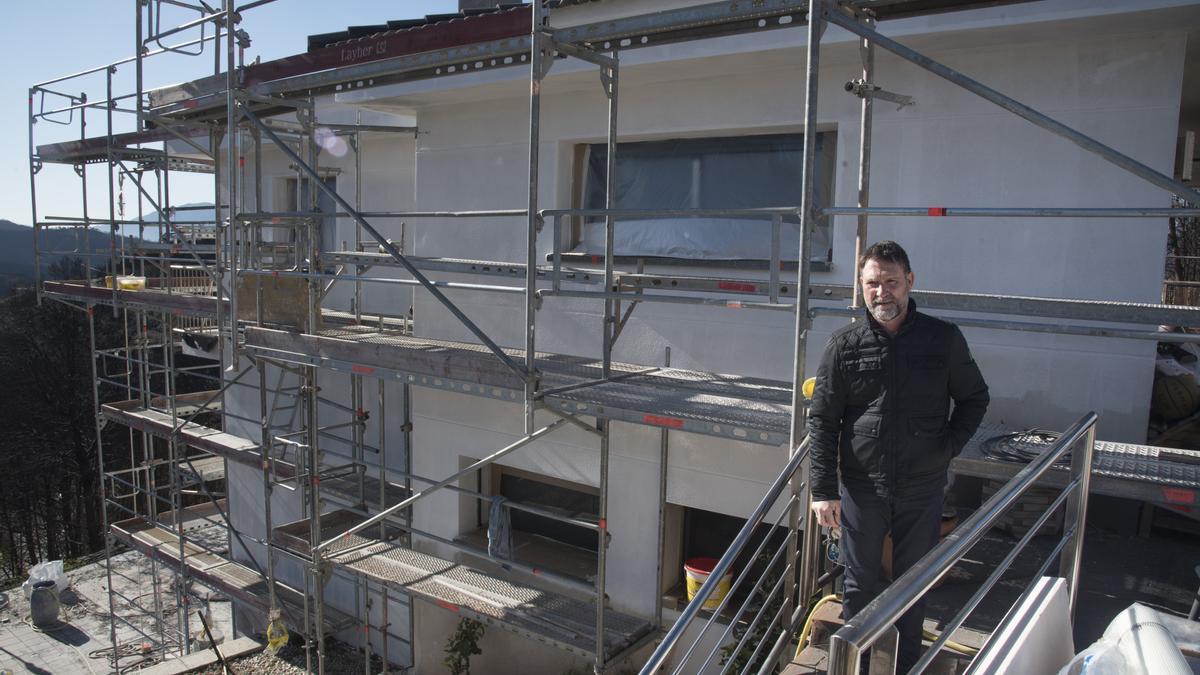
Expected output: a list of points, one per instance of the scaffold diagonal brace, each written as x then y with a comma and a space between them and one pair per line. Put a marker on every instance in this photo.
391, 510
1017, 108
387, 246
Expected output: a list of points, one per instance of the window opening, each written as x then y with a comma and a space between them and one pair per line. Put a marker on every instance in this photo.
296, 198
557, 497
735, 172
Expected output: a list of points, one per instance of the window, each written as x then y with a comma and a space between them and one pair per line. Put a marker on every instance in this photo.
557, 497
706, 173
538, 540
295, 197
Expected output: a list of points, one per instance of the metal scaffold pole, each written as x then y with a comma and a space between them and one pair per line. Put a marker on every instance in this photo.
602, 550
663, 461
233, 159
223, 316
34, 168
537, 55
111, 165
608, 78
112, 609
808, 216
173, 464
308, 117
867, 53
405, 425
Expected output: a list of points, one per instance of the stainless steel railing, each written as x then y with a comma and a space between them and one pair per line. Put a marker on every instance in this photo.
766, 615
876, 620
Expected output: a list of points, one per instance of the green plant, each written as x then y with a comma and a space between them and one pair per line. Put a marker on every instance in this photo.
462, 645
739, 660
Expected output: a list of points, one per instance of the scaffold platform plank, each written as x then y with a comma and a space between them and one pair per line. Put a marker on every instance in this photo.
547, 616
155, 298
343, 487
123, 145
755, 410
230, 578
1164, 476
160, 423
204, 469
151, 299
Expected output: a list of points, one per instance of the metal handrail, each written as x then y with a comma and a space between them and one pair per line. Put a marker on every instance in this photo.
876, 619
756, 518
760, 212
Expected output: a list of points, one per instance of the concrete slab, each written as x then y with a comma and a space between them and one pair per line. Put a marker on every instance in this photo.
82, 642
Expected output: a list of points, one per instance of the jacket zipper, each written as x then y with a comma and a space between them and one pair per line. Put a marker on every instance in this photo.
893, 391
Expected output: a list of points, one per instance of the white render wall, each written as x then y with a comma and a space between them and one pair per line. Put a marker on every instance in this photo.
1117, 79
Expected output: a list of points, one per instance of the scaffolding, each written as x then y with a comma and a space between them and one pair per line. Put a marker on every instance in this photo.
252, 281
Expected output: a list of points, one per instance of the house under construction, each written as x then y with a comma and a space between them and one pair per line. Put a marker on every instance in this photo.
504, 314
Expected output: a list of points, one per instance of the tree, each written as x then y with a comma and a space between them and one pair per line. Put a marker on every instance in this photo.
49, 478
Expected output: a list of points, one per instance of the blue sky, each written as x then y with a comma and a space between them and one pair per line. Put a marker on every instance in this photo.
49, 38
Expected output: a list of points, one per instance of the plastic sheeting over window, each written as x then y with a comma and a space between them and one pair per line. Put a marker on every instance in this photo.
707, 173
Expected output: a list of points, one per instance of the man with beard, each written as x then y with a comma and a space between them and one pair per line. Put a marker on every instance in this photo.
882, 432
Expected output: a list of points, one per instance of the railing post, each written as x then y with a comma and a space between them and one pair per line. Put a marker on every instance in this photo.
1076, 515
882, 660
810, 549
843, 656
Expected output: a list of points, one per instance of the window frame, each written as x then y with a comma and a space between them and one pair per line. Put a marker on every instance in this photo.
574, 226
495, 482
290, 192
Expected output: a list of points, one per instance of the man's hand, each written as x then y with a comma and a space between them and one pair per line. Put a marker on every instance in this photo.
828, 512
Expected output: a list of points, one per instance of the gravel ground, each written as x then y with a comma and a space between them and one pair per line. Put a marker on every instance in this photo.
340, 659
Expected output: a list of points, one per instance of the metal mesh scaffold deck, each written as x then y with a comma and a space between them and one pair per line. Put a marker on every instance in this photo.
734, 406
1165, 476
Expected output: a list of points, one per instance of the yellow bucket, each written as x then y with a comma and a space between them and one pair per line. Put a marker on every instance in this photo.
126, 283
697, 571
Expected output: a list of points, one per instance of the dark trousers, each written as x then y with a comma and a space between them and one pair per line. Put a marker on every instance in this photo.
913, 521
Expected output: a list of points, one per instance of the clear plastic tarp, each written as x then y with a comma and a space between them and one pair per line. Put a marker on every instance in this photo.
736, 172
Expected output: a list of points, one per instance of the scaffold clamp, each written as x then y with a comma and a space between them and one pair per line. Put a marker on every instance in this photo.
864, 89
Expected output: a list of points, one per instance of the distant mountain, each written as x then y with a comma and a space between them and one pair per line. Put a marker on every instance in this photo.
16, 243
200, 212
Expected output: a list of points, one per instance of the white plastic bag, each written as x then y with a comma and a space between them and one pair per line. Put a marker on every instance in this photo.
1135, 643
51, 570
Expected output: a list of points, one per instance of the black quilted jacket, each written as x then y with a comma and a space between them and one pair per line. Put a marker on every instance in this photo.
881, 409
